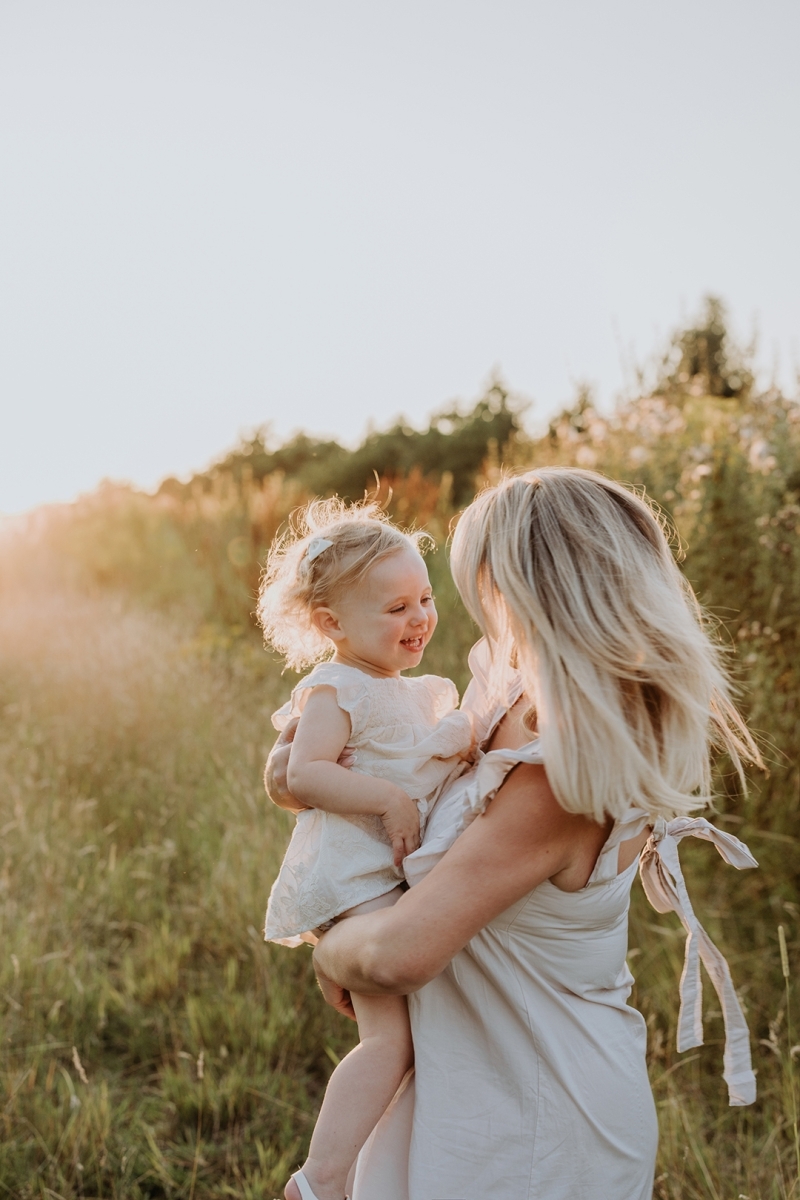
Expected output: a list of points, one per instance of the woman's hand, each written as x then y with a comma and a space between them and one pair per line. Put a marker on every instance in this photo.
277, 766
337, 997
276, 770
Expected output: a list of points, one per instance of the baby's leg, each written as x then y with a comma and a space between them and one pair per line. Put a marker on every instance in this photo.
359, 1090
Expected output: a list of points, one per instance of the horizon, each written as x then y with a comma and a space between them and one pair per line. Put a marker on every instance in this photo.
533, 421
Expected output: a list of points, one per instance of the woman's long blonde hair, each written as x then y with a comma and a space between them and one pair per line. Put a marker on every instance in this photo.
573, 574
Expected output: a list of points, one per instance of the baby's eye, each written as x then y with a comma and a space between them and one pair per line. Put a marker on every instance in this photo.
427, 599
400, 608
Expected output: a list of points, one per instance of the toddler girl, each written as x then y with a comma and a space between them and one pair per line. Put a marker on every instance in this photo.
348, 586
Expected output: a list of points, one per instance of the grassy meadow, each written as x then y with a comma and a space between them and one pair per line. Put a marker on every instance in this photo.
152, 1045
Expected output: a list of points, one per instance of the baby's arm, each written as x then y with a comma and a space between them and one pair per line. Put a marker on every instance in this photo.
277, 766
316, 779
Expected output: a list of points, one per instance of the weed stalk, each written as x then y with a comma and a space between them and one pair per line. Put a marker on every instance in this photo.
785, 969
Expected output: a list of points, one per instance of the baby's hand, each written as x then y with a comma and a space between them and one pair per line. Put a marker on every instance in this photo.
401, 821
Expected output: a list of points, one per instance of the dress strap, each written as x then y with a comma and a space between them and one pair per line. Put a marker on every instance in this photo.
632, 823
665, 888
489, 775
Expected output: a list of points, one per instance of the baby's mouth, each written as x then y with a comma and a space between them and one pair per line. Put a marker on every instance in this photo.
413, 643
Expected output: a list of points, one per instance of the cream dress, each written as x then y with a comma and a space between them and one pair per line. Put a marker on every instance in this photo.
531, 1081
406, 730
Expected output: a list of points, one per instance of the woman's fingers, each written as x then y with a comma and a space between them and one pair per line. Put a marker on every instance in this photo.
336, 996
288, 732
347, 758
275, 772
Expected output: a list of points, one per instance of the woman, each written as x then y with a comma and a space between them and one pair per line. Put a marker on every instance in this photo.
530, 1074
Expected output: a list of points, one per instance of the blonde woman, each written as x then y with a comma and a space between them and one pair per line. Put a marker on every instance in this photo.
599, 697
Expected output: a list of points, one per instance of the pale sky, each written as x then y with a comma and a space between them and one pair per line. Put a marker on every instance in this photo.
219, 214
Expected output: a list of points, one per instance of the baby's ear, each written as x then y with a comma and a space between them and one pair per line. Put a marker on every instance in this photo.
326, 621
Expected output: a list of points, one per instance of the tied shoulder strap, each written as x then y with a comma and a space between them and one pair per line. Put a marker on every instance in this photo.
665, 888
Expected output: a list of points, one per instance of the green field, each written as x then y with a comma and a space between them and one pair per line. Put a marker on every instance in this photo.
152, 1044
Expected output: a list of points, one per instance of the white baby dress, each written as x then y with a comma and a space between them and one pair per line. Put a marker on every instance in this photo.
405, 730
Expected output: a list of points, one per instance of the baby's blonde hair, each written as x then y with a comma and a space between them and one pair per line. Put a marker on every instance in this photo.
294, 584
574, 574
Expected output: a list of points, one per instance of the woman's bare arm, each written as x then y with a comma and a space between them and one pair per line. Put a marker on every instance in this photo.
524, 838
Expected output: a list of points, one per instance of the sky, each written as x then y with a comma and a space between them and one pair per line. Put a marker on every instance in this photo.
219, 215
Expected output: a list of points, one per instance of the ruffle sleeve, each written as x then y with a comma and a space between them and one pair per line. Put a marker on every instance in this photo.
492, 690
444, 694
491, 773
352, 696
461, 802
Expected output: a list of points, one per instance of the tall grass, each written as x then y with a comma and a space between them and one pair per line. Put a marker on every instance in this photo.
152, 1045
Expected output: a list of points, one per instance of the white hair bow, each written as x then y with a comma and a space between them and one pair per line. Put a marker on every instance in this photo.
316, 546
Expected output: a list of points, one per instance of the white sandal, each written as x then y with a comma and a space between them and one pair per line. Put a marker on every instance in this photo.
304, 1186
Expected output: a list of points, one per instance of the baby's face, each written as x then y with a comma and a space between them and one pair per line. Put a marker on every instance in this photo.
387, 621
